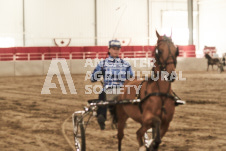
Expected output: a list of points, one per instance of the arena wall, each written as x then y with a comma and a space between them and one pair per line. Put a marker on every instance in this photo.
46, 65
77, 66
25, 68
191, 64
7, 68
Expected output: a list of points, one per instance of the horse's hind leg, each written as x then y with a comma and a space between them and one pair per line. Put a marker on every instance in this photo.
140, 134
122, 117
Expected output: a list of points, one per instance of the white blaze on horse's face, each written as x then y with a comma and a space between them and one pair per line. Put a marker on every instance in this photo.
170, 57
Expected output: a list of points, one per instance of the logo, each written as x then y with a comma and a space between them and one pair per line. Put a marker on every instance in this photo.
54, 70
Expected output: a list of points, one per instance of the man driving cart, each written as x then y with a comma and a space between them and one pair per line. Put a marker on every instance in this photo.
114, 71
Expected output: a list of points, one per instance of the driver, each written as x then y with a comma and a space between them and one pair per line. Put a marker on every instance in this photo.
114, 71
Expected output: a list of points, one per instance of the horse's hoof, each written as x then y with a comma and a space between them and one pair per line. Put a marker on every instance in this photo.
154, 146
142, 148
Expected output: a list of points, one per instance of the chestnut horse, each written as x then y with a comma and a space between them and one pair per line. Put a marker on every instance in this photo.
157, 105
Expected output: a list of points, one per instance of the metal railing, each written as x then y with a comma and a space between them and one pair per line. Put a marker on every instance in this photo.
81, 55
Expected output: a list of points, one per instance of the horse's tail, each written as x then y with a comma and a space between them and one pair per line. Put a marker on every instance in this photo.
113, 112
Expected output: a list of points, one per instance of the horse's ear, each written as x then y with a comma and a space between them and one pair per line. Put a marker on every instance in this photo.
157, 34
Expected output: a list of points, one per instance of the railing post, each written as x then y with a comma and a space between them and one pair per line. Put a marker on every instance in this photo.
83, 55
122, 55
14, 57
43, 56
28, 56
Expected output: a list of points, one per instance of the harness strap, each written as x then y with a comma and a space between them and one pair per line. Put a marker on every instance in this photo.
140, 85
155, 94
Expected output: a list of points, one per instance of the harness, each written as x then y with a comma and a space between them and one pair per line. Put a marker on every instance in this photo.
159, 94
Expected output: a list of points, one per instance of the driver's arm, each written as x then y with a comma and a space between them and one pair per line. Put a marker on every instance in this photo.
97, 72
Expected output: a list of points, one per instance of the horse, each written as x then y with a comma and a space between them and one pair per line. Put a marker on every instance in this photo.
157, 105
213, 61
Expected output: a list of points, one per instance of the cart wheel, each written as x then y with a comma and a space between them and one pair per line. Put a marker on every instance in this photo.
83, 138
79, 135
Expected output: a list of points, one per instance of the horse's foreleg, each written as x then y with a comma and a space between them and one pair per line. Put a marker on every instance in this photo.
164, 129
155, 123
122, 117
157, 140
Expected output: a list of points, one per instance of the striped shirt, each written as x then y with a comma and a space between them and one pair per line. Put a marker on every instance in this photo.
114, 71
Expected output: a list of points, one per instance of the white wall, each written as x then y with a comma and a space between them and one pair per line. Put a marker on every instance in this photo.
156, 9
122, 19
11, 24
48, 19
212, 28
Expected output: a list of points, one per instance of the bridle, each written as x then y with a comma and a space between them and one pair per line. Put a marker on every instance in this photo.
162, 68
158, 53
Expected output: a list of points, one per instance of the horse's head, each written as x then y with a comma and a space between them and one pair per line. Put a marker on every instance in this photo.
166, 54
207, 56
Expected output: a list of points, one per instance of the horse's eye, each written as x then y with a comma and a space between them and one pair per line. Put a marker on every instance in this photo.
157, 52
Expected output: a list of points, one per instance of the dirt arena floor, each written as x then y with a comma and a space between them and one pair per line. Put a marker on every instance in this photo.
30, 121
